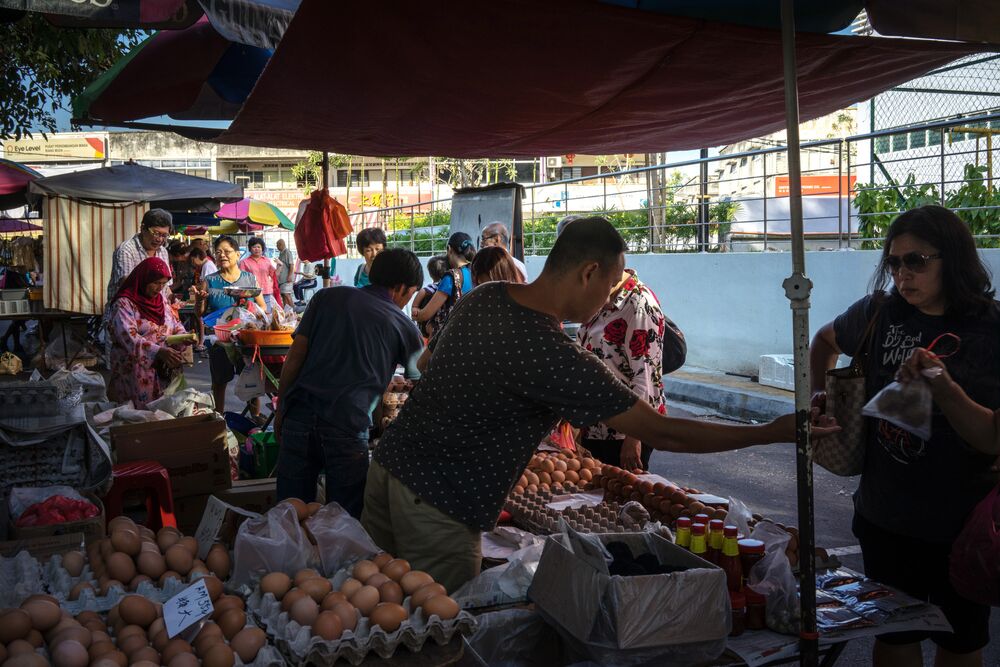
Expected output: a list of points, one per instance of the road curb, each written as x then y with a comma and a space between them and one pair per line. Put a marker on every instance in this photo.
729, 402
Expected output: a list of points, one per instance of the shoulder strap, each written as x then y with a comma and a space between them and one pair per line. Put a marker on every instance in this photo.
864, 346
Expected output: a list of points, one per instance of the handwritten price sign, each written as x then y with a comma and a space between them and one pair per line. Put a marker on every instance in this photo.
187, 608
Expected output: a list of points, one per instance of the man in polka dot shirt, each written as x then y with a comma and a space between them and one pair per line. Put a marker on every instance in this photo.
501, 375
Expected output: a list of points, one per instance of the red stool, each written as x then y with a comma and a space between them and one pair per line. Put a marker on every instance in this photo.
149, 477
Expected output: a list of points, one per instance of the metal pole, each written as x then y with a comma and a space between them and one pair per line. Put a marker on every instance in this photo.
942, 165
765, 196
797, 289
703, 201
849, 191
840, 195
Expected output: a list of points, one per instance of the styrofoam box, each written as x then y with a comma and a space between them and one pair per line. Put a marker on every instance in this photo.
777, 370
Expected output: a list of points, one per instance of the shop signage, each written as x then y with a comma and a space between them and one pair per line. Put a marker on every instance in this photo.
55, 149
817, 185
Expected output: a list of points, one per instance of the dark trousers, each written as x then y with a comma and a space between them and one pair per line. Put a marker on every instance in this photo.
310, 445
300, 287
610, 451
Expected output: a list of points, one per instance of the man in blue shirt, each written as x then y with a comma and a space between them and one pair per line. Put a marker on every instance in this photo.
331, 381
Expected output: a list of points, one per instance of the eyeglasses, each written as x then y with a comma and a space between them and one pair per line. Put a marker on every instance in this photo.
913, 261
486, 239
158, 235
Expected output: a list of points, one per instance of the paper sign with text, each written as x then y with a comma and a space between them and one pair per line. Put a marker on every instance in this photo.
212, 521
187, 608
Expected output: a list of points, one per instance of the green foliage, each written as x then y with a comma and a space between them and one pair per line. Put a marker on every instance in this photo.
976, 200
43, 65
311, 170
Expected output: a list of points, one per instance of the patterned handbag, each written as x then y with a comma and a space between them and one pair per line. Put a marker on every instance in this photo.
843, 453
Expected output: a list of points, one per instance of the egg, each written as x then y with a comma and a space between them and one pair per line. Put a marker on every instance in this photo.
70, 654
126, 541
35, 638
137, 609
88, 615
121, 566
122, 522
225, 603
116, 658
390, 591
304, 611
44, 615
316, 588
328, 626
413, 580
73, 562
232, 622
388, 616
19, 646
146, 663
248, 642
376, 580
160, 640
131, 631
100, 649
108, 584
198, 570
190, 544
209, 636
76, 634
169, 574
381, 559
167, 537
151, 564
312, 508
218, 562
363, 569
426, 591
179, 559
214, 586
332, 599
132, 643
304, 575
348, 615
365, 599
149, 546
14, 624
301, 511
26, 660
396, 568
219, 655
146, 654
275, 583
350, 587
184, 660
441, 606
291, 597
155, 627
173, 647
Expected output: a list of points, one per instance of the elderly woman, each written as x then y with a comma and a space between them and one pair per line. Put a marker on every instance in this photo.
139, 321
494, 263
262, 268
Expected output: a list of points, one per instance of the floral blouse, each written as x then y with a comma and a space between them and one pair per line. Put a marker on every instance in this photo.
631, 334
135, 341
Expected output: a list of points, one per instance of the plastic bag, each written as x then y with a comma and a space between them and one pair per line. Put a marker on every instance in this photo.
339, 537
273, 543
773, 578
504, 584
23, 497
250, 383
974, 566
908, 405
10, 364
180, 400
515, 637
739, 515
92, 382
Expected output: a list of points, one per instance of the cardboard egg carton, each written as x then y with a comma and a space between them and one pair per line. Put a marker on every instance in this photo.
298, 643
20, 576
530, 510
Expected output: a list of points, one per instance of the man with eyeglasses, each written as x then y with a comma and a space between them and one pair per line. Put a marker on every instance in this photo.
151, 241
497, 234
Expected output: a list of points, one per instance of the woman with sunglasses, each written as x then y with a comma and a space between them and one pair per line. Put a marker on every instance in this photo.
914, 495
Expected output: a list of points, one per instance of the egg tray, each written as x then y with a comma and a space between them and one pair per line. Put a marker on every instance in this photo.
297, 641
529, 510
20, 576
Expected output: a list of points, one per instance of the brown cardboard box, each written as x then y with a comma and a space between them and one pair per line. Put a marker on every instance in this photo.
255, 495
43, 547
92, 528
188, 511
192, 449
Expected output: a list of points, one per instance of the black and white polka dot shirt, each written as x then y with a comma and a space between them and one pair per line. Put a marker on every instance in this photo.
500, 378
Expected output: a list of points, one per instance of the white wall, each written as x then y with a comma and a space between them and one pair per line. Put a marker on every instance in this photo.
731, 306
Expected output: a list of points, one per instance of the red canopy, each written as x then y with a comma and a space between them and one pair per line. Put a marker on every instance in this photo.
584, 78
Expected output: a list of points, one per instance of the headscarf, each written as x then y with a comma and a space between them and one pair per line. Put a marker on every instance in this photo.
133, 288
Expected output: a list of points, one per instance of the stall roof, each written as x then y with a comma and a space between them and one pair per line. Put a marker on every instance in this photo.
135, 183
587, 77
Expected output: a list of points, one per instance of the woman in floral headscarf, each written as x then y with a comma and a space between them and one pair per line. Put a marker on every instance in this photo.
139, 321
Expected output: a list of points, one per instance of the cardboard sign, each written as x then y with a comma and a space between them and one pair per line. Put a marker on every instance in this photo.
212, 522
187, 608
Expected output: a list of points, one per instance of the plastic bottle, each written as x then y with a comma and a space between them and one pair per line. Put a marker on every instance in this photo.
683, 537
729, 559
751, 552
715, 537
756, 610
738, 602
699, 546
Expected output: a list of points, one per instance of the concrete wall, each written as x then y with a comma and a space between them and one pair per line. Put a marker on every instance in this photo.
731, 306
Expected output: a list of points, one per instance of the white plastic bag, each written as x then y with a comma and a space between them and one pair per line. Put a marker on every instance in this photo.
92, 382
181, 400
908, 405
773, 578
739, 515
23, 497
273, 543
339, 537
250, 383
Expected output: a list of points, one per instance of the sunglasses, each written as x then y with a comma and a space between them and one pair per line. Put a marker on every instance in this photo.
913, 261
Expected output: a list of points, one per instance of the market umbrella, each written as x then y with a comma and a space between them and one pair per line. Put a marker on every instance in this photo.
256, 212
14, 180
10, 225
190, 74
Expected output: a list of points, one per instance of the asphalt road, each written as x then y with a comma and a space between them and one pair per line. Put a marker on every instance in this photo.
764, 479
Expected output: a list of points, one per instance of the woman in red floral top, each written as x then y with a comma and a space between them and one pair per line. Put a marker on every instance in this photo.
639, 344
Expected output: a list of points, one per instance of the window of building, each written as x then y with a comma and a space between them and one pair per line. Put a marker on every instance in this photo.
405, 176
918, 139
570, 172
934, 137
309, 179
743, 162
899, 142
525, 172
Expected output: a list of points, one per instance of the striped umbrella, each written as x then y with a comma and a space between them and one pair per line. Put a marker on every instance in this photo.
14, 179
254, 212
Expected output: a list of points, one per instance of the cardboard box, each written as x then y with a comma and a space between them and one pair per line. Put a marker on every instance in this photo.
92, 528
219, 523
192, 449
645, 615
43, 547
254, 495
188, 511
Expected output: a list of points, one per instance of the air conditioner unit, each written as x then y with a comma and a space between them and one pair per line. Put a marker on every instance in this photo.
553, 161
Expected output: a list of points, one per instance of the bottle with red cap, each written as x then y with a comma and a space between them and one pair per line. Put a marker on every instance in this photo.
683, 537
715, 537
699, 543
729, 559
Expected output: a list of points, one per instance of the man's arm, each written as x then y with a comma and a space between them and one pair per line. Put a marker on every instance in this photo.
294, 361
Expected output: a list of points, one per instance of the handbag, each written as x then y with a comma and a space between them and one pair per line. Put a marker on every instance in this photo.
974, 564
10, 364
843, 453
439, 318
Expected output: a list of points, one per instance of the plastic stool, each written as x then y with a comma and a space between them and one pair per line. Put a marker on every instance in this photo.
149, 477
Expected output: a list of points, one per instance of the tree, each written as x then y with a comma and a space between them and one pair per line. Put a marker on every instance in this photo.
43, 65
